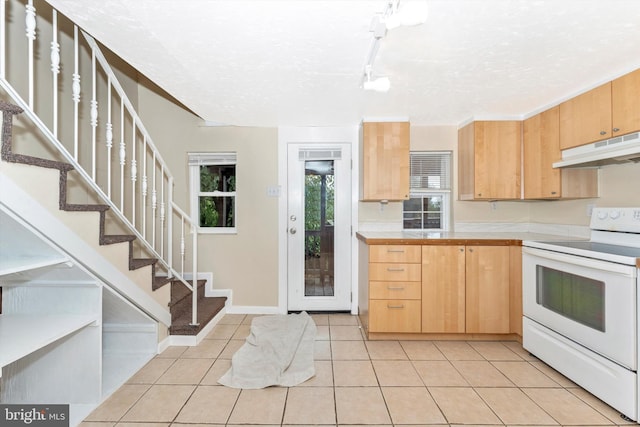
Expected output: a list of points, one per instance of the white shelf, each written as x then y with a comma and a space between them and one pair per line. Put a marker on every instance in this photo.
18, 264
21, 335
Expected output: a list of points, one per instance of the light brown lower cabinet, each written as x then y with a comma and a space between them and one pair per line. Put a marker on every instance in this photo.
465, 289
443, 283
394, 288
487, 289
441, 289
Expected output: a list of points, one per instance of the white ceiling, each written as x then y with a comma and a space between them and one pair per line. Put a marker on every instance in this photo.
300, 62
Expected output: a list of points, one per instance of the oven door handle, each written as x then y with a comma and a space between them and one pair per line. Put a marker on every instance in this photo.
609, 267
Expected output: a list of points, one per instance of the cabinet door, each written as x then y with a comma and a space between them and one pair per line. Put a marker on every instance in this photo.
497, 159
586, 118
466, 171
443, 289
541, 142
487, 289
625, 104
385, 160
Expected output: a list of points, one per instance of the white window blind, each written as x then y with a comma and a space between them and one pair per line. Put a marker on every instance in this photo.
319, 154
197, 159
430, 170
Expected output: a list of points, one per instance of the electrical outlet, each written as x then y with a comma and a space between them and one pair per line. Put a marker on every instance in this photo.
590, 207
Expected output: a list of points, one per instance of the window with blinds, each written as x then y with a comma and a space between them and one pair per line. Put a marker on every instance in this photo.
213, 191
429, 204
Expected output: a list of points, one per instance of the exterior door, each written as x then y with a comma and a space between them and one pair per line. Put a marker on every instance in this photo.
319, 227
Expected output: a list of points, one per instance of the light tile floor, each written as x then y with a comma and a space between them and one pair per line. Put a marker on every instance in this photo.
357, 382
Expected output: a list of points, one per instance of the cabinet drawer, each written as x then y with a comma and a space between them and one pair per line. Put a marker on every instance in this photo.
395, 253
390, 272
395, 290
394, 316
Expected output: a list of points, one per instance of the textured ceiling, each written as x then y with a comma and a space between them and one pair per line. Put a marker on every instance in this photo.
300, 62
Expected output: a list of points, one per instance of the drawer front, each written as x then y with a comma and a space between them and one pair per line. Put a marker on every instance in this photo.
395, 253
395, 290
394, 316
390, 272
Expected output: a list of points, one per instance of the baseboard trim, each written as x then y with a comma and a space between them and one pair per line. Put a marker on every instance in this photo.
253, 309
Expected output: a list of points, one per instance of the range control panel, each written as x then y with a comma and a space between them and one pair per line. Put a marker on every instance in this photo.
616, 219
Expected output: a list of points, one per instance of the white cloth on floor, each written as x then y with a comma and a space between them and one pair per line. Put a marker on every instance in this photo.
278, 352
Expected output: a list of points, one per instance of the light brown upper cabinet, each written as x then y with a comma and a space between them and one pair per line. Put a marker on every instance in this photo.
586, 118
489, 160
625, 104
385, 161
604, 112
541, 148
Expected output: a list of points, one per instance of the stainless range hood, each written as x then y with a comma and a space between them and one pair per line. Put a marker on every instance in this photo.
621, 149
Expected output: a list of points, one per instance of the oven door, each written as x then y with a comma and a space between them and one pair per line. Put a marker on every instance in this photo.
589, 301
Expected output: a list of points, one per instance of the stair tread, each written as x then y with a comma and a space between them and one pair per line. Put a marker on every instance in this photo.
179, 292
85, 208
117, 238
207, 309
160, 281
136, 263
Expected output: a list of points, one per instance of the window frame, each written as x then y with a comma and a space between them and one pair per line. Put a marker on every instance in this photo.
195, 161
422, 192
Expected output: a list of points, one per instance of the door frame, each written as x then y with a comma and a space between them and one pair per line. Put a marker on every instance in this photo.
315, 135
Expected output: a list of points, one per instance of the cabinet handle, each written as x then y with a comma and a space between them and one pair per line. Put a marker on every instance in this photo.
401, 251
394, 269
461, 249
395, 288
603, 132
479, 194
554, 192
616, 129
470, 250
395, 306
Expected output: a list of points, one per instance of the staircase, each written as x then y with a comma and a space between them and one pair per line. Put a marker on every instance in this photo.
180, 304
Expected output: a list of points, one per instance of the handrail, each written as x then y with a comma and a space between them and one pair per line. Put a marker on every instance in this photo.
155, 187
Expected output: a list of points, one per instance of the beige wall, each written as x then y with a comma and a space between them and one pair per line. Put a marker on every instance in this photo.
246, 262
616, 189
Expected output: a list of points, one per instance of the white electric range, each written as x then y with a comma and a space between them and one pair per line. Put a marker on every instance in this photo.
580, 306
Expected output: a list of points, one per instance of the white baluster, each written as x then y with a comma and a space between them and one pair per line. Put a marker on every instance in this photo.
134, 178
123, 155
93, 115
109, 137
75, 89
154, 203
145, 185
162, 212
55, 70
30, 26
182, 249
3, 40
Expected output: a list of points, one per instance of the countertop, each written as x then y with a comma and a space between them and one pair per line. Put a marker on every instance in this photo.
454, 238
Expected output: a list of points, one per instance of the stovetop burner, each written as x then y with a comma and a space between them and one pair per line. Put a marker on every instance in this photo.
615, 237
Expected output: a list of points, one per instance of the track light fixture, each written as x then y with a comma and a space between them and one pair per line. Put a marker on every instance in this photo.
381, 84
394, 15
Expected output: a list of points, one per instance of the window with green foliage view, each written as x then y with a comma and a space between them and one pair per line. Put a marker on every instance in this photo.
217, 195
212, 184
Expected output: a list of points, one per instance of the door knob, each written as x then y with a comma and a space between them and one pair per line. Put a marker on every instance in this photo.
292, 230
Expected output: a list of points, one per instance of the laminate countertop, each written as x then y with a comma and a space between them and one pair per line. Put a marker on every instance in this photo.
454, 238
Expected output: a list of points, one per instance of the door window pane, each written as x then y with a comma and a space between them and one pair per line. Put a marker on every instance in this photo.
319, 228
